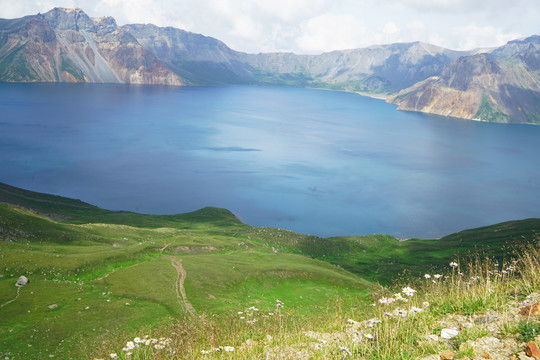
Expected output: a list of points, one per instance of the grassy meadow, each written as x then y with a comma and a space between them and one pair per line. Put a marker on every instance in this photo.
105, 284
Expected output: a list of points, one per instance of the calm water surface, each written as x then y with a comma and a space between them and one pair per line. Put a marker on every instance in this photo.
317, 162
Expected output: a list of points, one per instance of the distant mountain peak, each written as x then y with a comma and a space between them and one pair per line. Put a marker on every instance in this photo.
69, 19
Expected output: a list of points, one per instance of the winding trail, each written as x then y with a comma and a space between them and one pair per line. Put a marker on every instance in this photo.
12, 300
180, 290
113, 271
163, 248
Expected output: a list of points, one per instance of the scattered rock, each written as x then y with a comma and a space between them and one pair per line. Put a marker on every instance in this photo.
486, 319
449, 333
531, 310
486, 356
22, 281
523, 356
432, 357
53, 306
495, 348
532, 350
447, 355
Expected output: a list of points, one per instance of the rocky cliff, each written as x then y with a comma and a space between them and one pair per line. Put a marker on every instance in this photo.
501, 86
66, 45
379, 69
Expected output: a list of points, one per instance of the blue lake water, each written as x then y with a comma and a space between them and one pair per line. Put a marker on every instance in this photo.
317, 162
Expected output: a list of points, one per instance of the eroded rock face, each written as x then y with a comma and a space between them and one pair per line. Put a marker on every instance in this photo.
488, 87
69, 19
68, 46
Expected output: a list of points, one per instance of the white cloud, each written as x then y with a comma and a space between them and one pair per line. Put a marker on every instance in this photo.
245, 27
459, 6
331, 32
314, 26
390, 28
288, 10
416, 25
473, 36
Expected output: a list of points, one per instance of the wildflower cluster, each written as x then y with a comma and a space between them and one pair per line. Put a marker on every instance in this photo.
218, 349
407, 291
251, 312
147, 341
435, 277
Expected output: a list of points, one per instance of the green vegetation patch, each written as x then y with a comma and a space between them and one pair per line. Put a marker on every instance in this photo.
68, 66
93, 282
14, 67
490, 112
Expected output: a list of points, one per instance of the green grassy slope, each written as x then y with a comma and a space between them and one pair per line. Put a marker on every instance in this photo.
97, 274
94, 281
78, 212
382, 258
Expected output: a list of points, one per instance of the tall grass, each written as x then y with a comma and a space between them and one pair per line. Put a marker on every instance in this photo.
395, 324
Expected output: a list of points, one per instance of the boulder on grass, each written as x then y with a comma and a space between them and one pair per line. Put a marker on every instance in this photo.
22, 281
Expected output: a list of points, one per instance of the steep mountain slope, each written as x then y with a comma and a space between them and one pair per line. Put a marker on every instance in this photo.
66, 45
379, 69
503, 86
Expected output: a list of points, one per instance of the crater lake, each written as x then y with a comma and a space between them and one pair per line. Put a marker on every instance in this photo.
312, 161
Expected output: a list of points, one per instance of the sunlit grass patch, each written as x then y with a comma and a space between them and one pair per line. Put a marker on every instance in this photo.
398, 322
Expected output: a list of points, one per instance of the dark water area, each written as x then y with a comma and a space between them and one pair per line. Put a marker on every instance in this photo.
312, 161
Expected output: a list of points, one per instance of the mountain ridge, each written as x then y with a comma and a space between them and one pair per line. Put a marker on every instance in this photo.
501, 86
66, 45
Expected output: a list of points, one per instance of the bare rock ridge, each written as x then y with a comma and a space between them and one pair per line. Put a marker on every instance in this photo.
66, 45
501, 86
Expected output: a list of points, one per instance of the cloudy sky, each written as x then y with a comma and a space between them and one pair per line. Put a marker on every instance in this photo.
315, 26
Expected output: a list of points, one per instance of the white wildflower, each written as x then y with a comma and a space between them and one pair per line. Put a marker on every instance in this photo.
345, 349
408, 291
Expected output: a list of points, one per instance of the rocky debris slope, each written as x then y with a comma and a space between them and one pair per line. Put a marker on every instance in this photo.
66, 45
490, 335
376, 69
